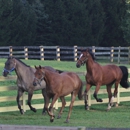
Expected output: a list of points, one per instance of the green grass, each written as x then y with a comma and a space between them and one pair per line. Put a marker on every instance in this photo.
96, 117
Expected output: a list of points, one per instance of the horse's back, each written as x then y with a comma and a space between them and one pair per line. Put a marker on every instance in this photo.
72, 78
111, 73
112, 69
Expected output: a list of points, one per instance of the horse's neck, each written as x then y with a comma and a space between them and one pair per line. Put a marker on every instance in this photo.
89, 65
48, 75
21, 69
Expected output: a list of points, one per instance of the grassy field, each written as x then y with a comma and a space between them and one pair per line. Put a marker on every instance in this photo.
96, 117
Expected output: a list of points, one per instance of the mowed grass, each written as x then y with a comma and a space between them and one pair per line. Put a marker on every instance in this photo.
96, 117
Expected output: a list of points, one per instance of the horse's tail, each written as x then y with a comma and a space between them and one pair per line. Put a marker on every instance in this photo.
80, 94
124, 82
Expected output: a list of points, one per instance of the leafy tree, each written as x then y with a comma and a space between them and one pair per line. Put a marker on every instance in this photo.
23, 26
114, 10
43, 27
96, 20
5, 19
75, 22
17, 23
126, 24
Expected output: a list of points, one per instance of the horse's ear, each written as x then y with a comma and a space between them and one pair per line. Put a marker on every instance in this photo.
88, 50
35, 67
40, 67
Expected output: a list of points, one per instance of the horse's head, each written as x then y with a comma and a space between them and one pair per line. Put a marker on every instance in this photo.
10, 65
85, 54
39, 75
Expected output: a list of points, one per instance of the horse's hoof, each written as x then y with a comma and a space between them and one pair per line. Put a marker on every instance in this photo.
116, 105
107, 110
34, 110
44, 113
86, 107
67, 121
22, 111
51, 120
58, 117
99, 100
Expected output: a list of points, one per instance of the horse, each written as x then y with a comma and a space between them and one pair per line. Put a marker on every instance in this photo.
99, 75
59, 85
25, 76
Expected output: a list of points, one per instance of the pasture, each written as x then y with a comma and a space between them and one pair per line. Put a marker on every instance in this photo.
96, 117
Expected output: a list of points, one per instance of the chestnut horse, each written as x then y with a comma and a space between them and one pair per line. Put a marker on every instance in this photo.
25, 76
102, 75
59, 85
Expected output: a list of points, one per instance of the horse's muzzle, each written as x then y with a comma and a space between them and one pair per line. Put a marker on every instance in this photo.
78, 65
34, 84
5, 74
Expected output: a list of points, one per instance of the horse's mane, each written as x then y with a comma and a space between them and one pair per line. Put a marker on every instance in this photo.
90, 52
19, 61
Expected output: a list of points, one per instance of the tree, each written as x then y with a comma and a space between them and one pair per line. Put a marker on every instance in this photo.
17, 23
96, 20
126, 24
114, 11
5, 19
43, 27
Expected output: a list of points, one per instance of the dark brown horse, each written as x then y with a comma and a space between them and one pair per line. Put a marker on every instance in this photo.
25, 77
59, 85
102, 75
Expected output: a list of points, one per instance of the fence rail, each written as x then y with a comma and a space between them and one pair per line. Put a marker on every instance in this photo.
91, 101
109, 54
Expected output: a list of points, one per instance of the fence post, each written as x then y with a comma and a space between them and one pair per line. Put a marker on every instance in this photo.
24, 101
41, 53
75, 53
26, 53
112, 54
10, 51
58, 53
129, 55
119, 50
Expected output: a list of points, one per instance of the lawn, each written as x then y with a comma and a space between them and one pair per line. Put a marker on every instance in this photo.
96, 117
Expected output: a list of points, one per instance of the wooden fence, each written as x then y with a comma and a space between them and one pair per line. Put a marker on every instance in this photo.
91, 101
109, 54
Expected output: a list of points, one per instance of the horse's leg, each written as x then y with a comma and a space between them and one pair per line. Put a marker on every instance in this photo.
109, 96
46, 104
45, 98
73, 96
19, 94
95, 94
30, 94
63, 105
51, 107
116, 91
88, 86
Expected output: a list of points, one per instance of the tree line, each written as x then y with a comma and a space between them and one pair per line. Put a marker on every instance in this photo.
64, 22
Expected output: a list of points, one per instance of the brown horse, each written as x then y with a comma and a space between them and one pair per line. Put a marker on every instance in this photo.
59, 85
102, 75
25, 76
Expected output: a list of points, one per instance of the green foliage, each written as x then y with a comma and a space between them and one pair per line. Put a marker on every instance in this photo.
17, 21
114, 10
126, 24
64, 22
